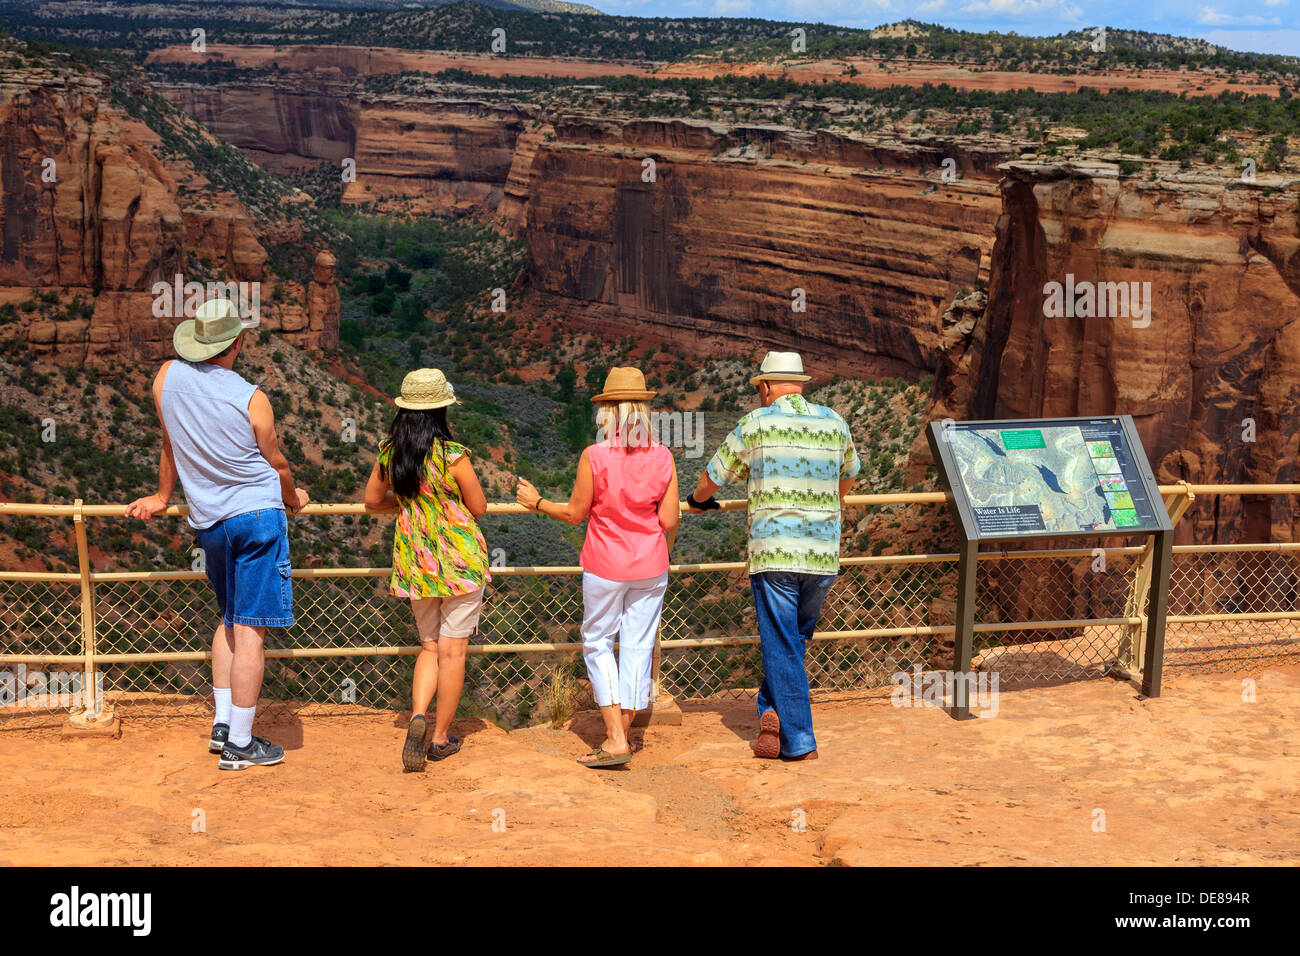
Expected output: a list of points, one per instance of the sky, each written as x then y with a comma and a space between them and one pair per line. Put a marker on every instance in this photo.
1259, 26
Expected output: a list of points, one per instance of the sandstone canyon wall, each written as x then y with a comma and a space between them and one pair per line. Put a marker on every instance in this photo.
92, 204
710, 249
448, 156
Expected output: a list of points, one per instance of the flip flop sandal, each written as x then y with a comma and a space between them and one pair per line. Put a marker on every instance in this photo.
443, 751
413, 748
605, 759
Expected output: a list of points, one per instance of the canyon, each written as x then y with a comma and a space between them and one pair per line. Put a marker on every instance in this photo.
870, 254
706, 247
735, 237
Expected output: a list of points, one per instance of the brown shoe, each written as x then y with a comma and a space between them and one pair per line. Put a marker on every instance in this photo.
810, 755
768, 744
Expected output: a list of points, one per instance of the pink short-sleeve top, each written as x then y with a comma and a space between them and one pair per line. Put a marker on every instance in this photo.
624, 540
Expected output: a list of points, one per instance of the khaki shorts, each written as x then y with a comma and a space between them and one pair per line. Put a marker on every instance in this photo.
455, 616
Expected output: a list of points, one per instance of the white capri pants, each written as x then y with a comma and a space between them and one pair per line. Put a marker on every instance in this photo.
628, 610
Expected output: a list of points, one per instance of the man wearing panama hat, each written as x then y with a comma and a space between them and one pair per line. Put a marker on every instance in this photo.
218, 439
798, 461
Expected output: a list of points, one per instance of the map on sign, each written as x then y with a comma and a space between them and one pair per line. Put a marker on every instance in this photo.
1050, 477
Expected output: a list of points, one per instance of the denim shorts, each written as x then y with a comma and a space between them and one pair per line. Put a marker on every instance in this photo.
247, 561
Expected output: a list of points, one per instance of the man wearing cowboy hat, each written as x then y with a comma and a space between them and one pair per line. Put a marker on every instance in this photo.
798, 461
218, 439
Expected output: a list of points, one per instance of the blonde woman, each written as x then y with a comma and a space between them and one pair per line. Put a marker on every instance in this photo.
626, 488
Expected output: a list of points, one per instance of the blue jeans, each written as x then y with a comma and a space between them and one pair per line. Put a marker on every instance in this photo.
247, 562
788, 605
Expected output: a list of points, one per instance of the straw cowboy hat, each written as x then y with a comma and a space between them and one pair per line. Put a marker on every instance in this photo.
781, 367
215, 325
426, 388
624, 385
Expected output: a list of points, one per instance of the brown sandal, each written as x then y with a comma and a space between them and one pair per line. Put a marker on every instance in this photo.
603, 758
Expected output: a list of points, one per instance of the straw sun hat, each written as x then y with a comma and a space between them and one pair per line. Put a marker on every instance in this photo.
781, 367
215, 325
426, 388
624, 385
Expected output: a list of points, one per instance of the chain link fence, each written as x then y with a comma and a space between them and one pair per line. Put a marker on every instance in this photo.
1224, 583
1042, 616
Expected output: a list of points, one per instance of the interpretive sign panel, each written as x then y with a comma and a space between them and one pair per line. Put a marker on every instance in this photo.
1050, 477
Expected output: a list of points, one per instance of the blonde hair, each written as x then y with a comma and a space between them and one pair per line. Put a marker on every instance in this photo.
624, 423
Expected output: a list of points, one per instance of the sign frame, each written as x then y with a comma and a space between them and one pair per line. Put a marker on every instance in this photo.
971, 538
950, 475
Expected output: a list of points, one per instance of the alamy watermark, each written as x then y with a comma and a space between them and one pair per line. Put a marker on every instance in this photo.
50, 690
1098, 300
920, 688
180, 299
676, 429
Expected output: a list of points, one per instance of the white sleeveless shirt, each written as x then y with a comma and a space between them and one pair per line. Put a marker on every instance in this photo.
205, 409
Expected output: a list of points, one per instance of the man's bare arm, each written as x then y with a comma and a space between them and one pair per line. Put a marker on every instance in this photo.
151, 505
263, 419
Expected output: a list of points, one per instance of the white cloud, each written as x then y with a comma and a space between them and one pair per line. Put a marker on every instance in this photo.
1217, 18
1013, 8
732, 8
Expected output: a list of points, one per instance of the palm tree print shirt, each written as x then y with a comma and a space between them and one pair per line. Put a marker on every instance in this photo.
792, 454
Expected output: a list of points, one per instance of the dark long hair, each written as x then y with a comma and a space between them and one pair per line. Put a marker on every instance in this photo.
413, 436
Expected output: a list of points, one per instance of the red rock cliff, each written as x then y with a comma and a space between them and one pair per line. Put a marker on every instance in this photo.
736, 219
92, 204
413, 155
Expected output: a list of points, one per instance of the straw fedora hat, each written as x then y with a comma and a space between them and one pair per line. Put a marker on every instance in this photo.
781, 367
215, 325
426, 388
624, 385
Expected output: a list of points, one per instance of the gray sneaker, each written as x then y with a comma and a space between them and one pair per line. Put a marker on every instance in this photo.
220, 734
259, 752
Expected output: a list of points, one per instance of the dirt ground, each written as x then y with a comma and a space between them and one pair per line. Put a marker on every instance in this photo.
1080, 773
879, 74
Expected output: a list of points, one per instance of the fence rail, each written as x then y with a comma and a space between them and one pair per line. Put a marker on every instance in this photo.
1044, 615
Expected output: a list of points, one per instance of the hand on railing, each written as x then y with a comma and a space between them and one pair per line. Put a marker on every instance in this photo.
526, 495
147, 508
699, 507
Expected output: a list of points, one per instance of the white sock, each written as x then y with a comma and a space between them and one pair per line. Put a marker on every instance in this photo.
241, 725
222, 697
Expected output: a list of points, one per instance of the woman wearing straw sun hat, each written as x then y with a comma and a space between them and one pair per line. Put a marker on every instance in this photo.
440, 560
626, 488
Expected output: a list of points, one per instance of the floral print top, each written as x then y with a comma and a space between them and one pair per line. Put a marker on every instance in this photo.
438, 549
